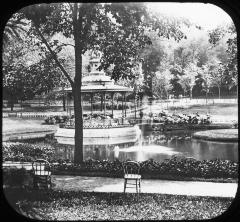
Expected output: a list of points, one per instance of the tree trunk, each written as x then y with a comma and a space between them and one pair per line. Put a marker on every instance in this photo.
64, 103
206, 96
191, 93
219, 92
101, 102
63, 100
78, 150
77, 26
11, 104
237, 92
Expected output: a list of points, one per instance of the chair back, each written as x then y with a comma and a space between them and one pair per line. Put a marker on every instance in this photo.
131, 167
41, 167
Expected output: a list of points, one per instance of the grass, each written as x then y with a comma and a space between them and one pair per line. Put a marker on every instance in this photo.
18, 125
218, 135
71, 205
215, 109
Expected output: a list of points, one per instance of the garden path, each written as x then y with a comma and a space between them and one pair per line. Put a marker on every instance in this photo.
103, 184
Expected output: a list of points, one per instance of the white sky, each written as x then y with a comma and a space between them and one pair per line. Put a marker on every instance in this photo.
207, 15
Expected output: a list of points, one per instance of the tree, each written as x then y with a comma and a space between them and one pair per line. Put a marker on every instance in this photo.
225, 38
232, 61
14, 29
187, 80
218, 75
25, 82
27, 71
177, 72
117, 30
161, 84
152, 56
212, 74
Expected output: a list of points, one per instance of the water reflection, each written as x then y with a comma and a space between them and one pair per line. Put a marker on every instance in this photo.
160, 146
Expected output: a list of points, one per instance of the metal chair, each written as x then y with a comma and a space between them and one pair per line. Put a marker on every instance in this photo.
41, 173
132, 174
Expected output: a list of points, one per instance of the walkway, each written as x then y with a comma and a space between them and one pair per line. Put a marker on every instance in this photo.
105, 184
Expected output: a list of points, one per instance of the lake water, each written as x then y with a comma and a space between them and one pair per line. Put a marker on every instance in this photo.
160, 146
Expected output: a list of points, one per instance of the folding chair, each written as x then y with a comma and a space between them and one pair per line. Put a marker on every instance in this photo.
41, 173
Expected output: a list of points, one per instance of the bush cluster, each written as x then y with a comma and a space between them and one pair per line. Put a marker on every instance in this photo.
56, 119
25, 152
16, 177
189, 167
175, 119
170, 167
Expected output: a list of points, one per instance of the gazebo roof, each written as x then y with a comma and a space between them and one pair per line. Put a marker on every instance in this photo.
102, 88
98, 81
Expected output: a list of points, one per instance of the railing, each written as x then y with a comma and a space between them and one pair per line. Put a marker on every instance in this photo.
99, 124
33, 114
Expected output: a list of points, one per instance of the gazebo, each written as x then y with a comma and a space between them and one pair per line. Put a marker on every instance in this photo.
109, 130
97, 82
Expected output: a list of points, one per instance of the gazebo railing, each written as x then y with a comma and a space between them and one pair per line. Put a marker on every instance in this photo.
105, 123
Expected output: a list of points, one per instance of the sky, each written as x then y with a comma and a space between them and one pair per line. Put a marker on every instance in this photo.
208, 16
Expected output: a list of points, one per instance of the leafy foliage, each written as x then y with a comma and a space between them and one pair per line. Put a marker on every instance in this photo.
25, 152
14, 28
26, 73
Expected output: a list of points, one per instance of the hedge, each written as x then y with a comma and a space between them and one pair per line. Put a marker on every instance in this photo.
25, 152
183, 167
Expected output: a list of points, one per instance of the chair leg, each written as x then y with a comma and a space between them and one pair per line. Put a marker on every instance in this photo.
49, 183
125, 183
136, 186
35, 183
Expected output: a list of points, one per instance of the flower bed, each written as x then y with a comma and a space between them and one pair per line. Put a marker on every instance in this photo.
182, 119
56, 119
96, 120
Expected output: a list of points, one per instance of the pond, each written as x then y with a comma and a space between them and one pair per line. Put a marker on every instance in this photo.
159, 146
163, 145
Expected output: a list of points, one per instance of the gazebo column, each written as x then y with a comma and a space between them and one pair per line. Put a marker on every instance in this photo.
125, 105
101, 101
122, 106
112, 94
91, 94
67, 102
104, 104
135, 108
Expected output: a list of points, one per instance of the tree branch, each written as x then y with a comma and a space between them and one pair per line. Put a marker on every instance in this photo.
54, 56
64, 44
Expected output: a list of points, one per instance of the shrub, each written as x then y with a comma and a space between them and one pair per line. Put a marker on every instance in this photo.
25, 152
56, 119
16, 177
184, 167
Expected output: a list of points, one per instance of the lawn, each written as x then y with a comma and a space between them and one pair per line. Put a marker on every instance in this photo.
14, 125
221, 110
71, 205
218, 135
